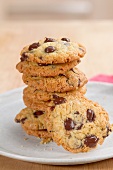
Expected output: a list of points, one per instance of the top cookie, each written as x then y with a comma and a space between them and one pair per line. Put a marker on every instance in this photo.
51, 51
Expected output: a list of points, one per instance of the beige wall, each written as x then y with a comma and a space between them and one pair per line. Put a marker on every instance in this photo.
56, 9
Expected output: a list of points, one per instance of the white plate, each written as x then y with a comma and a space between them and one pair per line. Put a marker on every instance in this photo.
12, 137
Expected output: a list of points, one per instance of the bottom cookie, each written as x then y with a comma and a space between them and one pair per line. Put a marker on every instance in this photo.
33, 122
79, 125
42, 134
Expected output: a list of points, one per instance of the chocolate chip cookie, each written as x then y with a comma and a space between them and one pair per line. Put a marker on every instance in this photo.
34, 94
37, 104
43, 134
45, 70
51, 51
71, 80
33, 122
79, 125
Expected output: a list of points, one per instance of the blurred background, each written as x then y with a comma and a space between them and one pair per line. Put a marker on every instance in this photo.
55, 9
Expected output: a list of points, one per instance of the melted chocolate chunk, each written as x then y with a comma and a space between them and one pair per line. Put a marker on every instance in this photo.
77, 113
38, 113
23, 120
42, 130
49, 49
59, 100
33, 46
69, 124
55, 96
79, 127
108, 130
79, 81
48, 100
23, 57
91, 141
78, 61
61, 75
65, 39
72, 69
90, 115
17, 120
52, 108
49, 40
41, 58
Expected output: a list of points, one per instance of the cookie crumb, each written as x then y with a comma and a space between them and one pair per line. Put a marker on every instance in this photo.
50, 149
26, 138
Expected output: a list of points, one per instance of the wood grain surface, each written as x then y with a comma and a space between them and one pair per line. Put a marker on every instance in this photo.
96, 36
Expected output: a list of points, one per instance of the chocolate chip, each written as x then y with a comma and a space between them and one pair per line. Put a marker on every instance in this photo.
41, 58
48, 100
33, 46
78, 61
52, 108
59, 100
77, 113
17, 120
65, 39
23, 57
72, 69
69, 124
42, 64
49, 49
55, 96
91, 141
90, 115
38, 113
49, 40
61, 75
108, 130
42, 130
79, 81
23, 120
79, 127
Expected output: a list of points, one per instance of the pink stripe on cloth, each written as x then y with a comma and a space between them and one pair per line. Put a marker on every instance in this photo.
102, 78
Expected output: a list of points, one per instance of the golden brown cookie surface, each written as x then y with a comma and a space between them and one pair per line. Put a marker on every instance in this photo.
71, 80
51, 51
78, 125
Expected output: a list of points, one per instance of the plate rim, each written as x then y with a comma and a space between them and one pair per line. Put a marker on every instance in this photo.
56, 161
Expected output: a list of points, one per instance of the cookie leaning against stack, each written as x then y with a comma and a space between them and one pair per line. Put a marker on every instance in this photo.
55, 84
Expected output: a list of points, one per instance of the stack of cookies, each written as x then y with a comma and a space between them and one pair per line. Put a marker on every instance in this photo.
56, 107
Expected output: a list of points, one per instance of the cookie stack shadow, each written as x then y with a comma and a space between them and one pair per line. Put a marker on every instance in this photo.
52, 79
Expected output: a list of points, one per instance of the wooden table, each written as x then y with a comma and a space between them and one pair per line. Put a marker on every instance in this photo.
96, 36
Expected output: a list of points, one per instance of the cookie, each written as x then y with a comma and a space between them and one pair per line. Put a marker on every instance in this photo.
79, 125
44, 105
71, 80
34, 94
45, 70
36, 105
33, 122
52, 51
43, 134
32, 119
